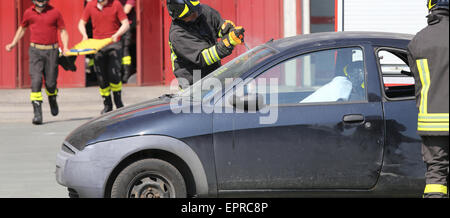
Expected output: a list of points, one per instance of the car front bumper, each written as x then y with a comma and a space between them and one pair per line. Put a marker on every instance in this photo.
84, 172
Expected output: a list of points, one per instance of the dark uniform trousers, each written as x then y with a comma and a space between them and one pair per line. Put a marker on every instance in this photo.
129, 51
435, 156
107, 63
127, 39
43, 63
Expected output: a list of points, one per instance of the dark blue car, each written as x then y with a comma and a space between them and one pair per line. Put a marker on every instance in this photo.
319, 115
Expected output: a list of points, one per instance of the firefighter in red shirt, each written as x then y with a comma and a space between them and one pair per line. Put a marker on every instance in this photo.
108, 21
44, 21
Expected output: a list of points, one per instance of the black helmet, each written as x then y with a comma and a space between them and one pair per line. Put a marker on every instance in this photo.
437, 4
179, 9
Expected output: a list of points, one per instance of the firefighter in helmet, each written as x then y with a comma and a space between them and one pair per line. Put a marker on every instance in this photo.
428, 60
355, 74
193, 39
44, 22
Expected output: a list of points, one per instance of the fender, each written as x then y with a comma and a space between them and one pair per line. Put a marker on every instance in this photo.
118, 150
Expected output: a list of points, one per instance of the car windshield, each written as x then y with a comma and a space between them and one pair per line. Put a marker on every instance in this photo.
226, 74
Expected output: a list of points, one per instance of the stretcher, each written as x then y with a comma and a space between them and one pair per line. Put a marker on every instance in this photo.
86, 47
90, 46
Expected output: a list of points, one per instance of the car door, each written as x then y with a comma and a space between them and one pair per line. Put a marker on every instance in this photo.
312, 133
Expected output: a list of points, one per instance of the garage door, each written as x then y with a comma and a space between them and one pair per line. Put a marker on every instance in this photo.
402, 16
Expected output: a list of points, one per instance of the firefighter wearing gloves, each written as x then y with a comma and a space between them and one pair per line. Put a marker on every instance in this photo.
429, 59
193, 39
44, 21
108, 21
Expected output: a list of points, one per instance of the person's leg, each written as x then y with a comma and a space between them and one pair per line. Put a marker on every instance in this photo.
126, 59
51, 77
435, 155
35, 69
101, 70
114, 74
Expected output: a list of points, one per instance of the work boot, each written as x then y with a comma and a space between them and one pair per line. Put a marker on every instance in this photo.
435, 195
53, 105
107, 101
37, 108
118, 99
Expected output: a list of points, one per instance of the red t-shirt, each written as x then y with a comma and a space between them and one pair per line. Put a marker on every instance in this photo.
105, 22
43, 26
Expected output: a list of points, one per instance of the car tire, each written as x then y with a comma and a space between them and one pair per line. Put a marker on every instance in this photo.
149, 178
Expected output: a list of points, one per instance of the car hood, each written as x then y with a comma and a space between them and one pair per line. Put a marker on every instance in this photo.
126, 122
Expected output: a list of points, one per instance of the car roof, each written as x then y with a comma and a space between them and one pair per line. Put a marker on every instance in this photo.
316, 39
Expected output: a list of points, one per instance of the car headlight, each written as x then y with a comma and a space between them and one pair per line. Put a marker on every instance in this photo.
67, 149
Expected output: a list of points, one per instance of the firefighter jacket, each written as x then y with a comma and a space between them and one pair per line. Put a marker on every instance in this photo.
428, 56
193, 44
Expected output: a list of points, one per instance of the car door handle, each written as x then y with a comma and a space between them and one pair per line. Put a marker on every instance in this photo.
353, 118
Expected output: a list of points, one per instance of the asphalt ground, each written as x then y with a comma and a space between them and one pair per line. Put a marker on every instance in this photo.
28, 152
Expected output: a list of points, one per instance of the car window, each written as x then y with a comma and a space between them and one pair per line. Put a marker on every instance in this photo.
318, 77
226, 74
398, 81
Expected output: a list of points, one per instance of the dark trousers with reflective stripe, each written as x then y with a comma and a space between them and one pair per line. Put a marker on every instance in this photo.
43, 63
129, 42
435, 155
107, 63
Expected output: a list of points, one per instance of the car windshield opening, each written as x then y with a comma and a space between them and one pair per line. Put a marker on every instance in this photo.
226, 74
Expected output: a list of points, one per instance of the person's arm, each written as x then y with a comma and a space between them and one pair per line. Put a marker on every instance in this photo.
19, 34
82, 29
122, 30
127, 8
65, 40
414, 71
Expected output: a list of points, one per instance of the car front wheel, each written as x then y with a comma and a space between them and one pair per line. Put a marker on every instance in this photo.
149, 178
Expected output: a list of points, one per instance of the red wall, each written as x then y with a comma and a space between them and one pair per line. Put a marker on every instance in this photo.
8, 60
71, 11
150, 48
24, 80
262, 20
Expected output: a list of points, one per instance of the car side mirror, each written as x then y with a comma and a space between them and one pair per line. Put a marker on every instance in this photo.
253, 102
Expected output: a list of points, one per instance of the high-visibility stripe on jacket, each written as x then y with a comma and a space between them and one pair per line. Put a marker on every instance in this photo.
210, 55
428, 122
173, 56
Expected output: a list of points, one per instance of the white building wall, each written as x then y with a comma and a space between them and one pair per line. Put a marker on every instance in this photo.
401, 16
290, 17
